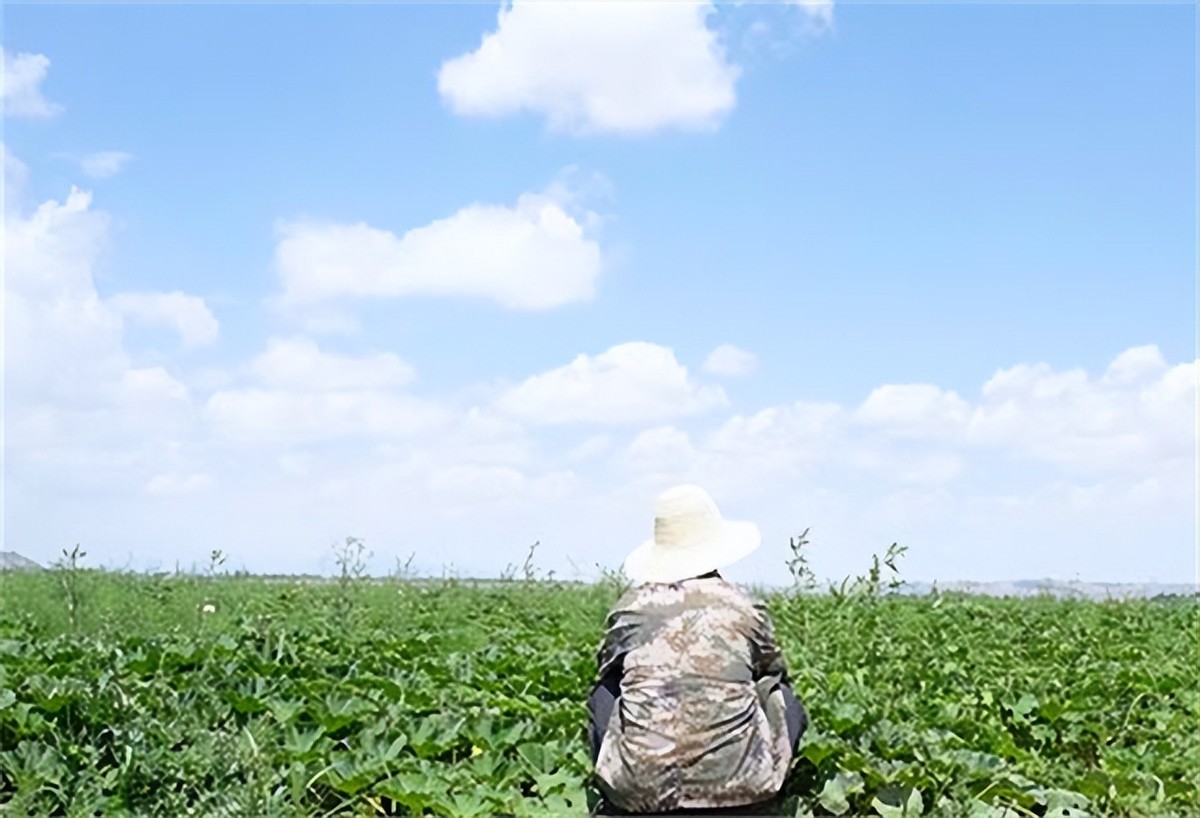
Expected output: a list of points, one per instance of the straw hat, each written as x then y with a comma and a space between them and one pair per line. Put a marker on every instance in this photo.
690, 538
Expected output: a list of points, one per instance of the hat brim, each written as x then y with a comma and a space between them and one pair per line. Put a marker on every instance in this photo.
651, 563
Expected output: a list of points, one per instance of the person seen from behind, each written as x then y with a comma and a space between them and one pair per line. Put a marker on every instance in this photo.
693, 709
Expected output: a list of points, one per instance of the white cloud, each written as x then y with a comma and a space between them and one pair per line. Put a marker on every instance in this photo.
497, 484
916, 409
151, 384
1138, 417
1042, 472
635, 382
480, 436
775, 445
662, 450
61, 339
597, 66
531, 256
730, 361
274, 416
327, 320
103, 164
187, 314
302, 394
22, 91
1135, 364
16, 175
1045, 473
589, 449
79, 414
297, 364
794, 432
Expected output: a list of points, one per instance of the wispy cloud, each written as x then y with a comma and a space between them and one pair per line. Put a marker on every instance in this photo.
730, 361
819, 12
103, 164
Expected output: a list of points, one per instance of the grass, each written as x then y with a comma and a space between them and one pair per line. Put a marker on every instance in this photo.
120, 694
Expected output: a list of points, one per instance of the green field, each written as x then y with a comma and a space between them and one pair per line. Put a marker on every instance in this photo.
120, 694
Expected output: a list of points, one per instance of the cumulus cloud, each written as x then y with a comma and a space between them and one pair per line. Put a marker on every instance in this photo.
301, 393
662, 450
79, 413
16, 175
1114, 449
534, 255
1043, 473
914, 409
589, 449
635, 382
1135, 365
61, 339
776, 445
1139, 415
730, 361
597, 67
103, 164
276, 416
64, 343
22, 86
298, 364
776, 439
186, 314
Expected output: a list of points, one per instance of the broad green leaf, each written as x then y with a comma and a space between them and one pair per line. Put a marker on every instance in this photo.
1025, 705
535, 756
898, 802
835, 794
979, 809
1057, 800
818, 751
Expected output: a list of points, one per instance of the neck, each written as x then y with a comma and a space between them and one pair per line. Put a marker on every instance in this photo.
710, 575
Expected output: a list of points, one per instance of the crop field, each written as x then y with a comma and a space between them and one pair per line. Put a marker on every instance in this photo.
180, 695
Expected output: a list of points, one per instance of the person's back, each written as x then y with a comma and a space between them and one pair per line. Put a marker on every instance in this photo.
692, 709
700, 720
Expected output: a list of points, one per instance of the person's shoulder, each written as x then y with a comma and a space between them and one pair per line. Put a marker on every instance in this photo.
717, 591
639, 597
752, 607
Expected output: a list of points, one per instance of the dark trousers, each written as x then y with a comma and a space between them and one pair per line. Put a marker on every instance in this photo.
603, 702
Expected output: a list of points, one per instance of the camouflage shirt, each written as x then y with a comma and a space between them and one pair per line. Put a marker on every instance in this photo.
700, 719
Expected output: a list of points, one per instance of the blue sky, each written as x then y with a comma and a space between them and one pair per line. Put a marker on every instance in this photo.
953, 246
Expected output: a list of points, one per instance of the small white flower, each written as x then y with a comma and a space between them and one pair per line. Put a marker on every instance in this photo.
209, 608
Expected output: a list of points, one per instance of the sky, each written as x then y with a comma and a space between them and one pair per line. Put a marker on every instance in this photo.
459, 278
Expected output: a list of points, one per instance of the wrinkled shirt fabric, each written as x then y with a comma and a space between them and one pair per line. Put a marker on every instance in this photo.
700, 720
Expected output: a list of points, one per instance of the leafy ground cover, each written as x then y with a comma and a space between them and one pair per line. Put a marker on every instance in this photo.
177, 694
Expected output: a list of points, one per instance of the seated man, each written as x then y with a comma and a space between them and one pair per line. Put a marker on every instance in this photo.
693, 710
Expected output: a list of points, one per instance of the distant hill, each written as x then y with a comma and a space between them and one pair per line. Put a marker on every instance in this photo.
1059, 588
12, 561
